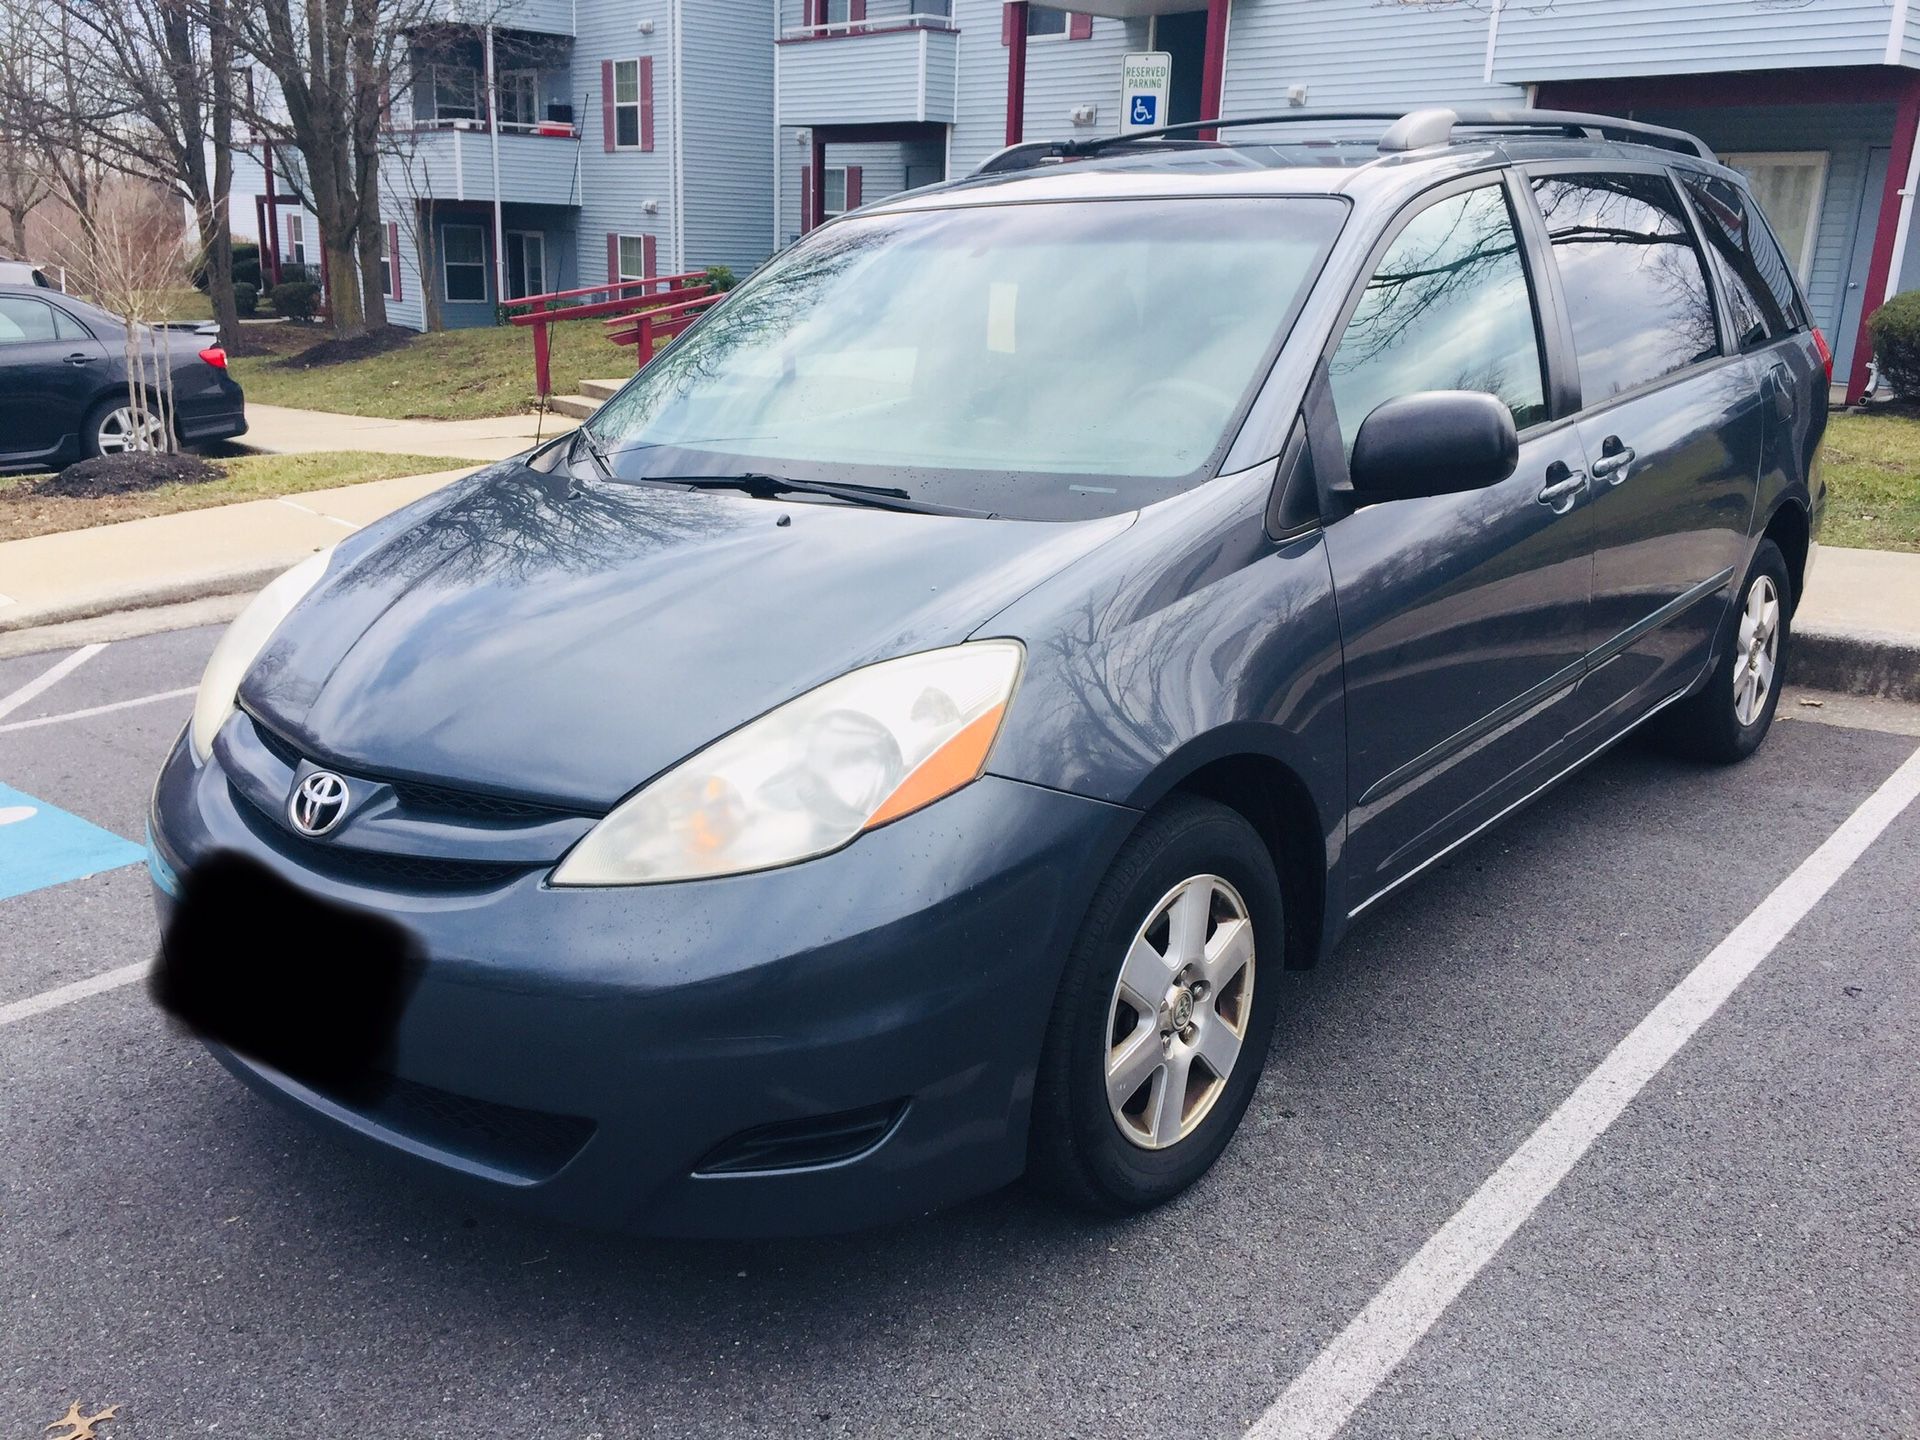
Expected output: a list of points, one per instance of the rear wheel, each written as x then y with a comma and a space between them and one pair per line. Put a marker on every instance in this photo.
1161, 1025
1730, 716
115, 427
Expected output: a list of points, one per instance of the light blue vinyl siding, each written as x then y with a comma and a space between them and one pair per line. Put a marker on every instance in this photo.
1590, 39
1358, 54
551, 17
727, 55
875, 78
616, 188
458, 165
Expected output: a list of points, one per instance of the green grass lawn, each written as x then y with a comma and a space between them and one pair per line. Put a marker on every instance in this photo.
248, 477
1873, 482
452, 375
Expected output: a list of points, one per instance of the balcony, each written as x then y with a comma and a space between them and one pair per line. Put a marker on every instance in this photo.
895, 66
453, 160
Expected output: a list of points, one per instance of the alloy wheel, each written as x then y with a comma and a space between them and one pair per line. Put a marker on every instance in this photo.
127, 429
1758, 650
1179, 1012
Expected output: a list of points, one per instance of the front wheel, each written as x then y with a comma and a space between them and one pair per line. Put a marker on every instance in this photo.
1730, 716
1161, 1025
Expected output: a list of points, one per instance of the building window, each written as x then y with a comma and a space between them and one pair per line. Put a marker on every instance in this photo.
519, 97
296, 240
836, 202
1789, 184
633, 257
463, 262
626, 104
456, 92
389, 262
1045, 24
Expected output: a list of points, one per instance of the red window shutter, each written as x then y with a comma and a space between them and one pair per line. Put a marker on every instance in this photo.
856, 11
1006, 24
606, 106
393, 258
649, 256
613, 256
853, 187
646, 102
1079, 27
806, 198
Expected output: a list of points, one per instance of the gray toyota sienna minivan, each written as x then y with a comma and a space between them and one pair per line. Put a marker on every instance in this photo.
894, 744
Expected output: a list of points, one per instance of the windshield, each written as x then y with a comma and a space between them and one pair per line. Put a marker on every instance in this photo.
1042, 361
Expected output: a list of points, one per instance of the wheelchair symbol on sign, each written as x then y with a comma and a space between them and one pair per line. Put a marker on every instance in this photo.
1144, 108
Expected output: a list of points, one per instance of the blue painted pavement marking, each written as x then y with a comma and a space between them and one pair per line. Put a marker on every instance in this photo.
42, 845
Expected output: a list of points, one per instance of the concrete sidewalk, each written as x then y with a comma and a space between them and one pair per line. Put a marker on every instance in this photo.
166, 559
279, 430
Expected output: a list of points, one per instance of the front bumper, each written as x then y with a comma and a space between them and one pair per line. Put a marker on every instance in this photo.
608, 1039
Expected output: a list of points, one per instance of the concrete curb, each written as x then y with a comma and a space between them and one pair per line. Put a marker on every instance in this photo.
238, 580
1856, 662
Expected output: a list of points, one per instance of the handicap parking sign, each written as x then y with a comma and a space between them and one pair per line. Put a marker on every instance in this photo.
1146, 79
41, 845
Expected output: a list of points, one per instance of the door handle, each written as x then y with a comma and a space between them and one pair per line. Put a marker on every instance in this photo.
1614, 459
1563, 488
79, 357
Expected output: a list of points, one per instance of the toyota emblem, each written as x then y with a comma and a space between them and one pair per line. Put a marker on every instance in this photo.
319, 803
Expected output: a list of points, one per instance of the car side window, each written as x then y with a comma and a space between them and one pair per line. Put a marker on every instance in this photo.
1636, 289
23, 321
1752, 270
1447, 308
66, 327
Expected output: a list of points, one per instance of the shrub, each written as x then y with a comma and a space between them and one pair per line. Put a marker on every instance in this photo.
246, 298
1895, 328
295, 274
295, 299
721, 277
246, 265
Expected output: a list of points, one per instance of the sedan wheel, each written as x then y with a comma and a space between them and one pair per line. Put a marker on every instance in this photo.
1758, 650
125, 429
1179, 1013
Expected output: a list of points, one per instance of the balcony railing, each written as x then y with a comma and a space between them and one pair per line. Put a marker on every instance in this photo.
880, 15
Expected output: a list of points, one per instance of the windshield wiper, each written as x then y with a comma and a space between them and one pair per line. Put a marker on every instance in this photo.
594, 452
768, 487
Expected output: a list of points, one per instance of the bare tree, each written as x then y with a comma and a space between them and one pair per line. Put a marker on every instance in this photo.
336, 63
167, 68
54, 107
130, 254
23, 187
417, 221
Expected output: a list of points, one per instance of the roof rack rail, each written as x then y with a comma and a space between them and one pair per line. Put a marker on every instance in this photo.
1406, 130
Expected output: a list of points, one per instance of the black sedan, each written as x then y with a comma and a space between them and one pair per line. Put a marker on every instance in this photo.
63, 383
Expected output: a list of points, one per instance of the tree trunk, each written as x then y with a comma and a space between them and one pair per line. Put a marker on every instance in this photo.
430, 271
373, 244
343, 279
18, 220
218, 240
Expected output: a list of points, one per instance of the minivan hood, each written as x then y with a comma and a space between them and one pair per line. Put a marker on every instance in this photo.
570, 649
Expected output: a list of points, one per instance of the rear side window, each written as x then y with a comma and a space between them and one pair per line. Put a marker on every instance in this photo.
1754, 272
1448, 308
24, 321
1635, 286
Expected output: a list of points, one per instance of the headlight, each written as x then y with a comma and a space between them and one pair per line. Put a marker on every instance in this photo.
808, 777
244, 640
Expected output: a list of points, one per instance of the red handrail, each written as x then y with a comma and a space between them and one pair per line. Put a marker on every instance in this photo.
645, 295
658, 322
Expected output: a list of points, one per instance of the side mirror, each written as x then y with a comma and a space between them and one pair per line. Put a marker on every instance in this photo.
1438, 442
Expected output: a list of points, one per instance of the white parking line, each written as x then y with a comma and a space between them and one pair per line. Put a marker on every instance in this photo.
1341, 1378
51, 678
80, 990
95, 710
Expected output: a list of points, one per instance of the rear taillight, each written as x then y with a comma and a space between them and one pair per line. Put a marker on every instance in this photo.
217, 357
1826, 352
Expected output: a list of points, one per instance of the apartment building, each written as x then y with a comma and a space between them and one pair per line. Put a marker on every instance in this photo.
568, 143
649, 136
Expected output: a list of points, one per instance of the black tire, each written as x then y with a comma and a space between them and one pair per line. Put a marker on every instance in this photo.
1707, 724
1077, 1151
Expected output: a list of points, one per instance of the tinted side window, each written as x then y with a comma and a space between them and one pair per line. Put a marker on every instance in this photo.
1751, 266
68, 328
1448, 308
24, 321
1636, 289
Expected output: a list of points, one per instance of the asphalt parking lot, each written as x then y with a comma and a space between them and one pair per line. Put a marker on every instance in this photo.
1737, 1254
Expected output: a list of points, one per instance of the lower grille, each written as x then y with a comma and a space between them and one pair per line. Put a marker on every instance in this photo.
533, 1144
797, 1144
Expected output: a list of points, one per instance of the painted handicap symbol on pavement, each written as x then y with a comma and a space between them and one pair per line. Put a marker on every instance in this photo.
42, 845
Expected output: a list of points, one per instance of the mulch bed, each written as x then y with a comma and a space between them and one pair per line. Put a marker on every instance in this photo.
125, 475
345, 352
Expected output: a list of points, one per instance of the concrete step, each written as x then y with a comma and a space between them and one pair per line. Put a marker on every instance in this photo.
578, 406
600, 389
